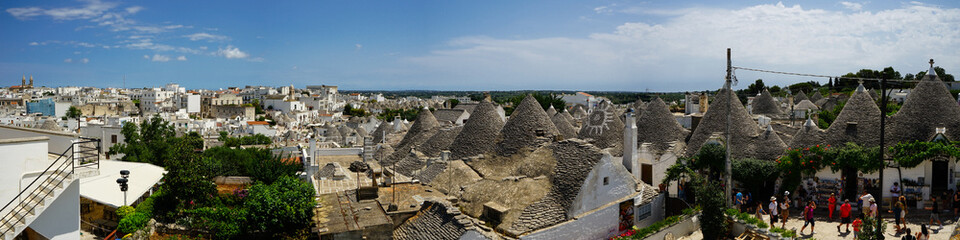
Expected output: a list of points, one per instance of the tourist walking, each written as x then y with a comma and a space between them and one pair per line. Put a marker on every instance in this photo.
897, 211
845, 215
773, 207
935, 214
956, 203
760, 211
785, 209
808, 217
872, 212
895, 191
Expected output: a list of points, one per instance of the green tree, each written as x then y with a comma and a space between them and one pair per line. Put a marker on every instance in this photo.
257, 107
453, 103
74, 112
282, 207
756, 87
806, 87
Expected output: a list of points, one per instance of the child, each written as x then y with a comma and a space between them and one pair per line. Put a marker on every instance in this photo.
856, 226
832, 204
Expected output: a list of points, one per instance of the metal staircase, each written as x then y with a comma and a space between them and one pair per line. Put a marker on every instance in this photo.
23, 209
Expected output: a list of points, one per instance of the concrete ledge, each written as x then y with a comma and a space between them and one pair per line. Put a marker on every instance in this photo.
44, 131
24, 139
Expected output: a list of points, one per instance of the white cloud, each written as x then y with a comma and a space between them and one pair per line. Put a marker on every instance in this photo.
182, 58
68, 60
85, 60
34, 43
231, 52
77, 52
92, 9
146, 57
358, 46
689, 48
203, 47
134, 9
206, 36
852, 6
160, 58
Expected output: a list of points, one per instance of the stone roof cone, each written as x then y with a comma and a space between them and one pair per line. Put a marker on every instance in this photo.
658, 126
573, 121
551, 111
808, 136
742, 126
383, 129
928, 107
799, 97
522, 129
858, 122
425, 126
439, 142
566, 129
604, 126
764, 104
816, 96
480, 132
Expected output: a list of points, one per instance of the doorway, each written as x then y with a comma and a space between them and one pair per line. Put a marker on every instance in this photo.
938, 181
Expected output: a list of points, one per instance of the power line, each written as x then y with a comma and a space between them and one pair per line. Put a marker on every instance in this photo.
825, 76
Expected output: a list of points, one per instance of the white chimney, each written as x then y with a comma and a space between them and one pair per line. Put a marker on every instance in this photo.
397, 124
630, 143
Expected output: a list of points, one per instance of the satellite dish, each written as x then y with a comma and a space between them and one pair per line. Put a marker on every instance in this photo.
669, 236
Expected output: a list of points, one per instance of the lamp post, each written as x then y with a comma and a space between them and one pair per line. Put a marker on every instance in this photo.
122, 181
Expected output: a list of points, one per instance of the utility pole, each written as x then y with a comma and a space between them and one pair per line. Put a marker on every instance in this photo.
883, 117
728, 86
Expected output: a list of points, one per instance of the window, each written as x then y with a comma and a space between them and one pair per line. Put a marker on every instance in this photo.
113, 138
606, 181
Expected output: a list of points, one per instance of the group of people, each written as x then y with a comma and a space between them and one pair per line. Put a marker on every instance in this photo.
779, 211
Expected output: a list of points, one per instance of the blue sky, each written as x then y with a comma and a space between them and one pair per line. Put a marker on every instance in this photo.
465, 45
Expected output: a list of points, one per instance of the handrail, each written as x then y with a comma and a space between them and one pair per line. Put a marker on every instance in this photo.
111, 237
46, 172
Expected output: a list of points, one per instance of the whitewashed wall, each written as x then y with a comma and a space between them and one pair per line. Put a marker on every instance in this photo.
594, 194
600, 224
20, 156
61, 220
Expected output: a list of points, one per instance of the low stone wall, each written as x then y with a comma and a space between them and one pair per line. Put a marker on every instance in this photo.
682, 228
339, 151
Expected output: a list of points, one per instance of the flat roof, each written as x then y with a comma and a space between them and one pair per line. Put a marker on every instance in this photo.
103, 188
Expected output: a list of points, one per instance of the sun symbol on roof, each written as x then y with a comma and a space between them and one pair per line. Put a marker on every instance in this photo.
598, 119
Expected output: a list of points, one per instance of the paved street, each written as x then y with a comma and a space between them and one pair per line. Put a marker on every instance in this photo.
828, 230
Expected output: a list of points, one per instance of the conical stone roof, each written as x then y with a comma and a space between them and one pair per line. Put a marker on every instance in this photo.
579, 112
764, 104
439, 142
423, 128
768, 145
551, 111
573, 121
50, 125
928, 107
521, 130
383, 129
332, 133
742, 126
479, 134
808, 136
815, 96
565, 128
799, 97
604, 126
362, 132
858, 122
658, 126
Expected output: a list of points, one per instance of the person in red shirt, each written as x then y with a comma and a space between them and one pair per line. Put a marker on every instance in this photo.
832, 204
856, 226
845, 215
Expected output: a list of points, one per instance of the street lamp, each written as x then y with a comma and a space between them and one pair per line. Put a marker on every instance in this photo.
122, 181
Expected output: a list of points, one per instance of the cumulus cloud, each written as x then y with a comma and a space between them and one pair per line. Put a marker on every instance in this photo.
68, 60
232, 52
182, 58
34, 43
852, 6
690, 48
85, 60
160, 58
358, 46
206, 36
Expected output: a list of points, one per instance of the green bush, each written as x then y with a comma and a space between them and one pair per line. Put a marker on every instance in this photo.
124, 211
284, 206
743, 216
133, 222
762, 225
222, 222
147, 205
732, 212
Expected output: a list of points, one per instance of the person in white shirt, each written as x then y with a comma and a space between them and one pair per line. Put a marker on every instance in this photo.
773, 210
873, 208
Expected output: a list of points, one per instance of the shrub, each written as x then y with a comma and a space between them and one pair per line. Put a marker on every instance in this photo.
732, 212
133, 222
124, 211
743, 216
222, 222
762, 225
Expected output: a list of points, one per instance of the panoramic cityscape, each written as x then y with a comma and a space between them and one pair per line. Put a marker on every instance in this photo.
479, 120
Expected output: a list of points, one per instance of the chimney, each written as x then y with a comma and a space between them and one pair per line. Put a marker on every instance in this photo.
445, 156
630, 143
397, 124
